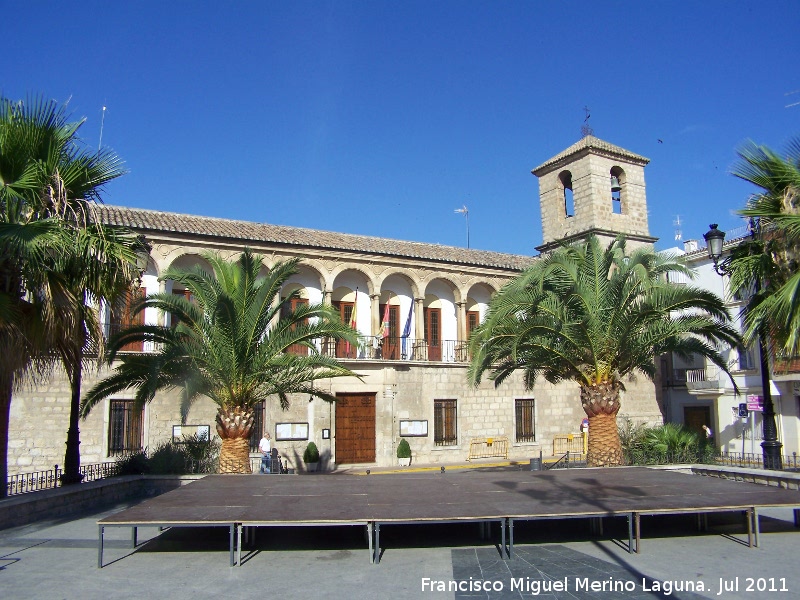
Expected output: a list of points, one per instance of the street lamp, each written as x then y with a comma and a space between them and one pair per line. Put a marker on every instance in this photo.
770, 446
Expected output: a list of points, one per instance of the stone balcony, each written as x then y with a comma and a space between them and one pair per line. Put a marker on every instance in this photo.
701, 382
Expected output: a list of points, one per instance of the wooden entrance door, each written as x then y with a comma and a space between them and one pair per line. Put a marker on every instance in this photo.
694, 417
355, 428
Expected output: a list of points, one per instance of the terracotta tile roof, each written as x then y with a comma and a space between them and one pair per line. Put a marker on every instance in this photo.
155, 221
590, 143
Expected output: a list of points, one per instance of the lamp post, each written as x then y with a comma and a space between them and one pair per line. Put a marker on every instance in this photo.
770, 446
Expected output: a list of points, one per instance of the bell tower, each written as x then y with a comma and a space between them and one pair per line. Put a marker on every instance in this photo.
593, 187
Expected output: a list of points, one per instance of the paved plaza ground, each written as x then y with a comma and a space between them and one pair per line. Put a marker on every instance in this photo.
559, 559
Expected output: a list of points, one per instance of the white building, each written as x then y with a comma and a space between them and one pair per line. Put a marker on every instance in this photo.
413, 386
698, 393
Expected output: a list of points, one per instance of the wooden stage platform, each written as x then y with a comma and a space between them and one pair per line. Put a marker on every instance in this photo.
241, 502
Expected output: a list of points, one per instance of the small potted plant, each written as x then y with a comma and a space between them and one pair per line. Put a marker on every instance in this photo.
311, 457
404, 453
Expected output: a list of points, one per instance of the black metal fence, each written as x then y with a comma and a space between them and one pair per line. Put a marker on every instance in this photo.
755, 460
23, 483
569, 460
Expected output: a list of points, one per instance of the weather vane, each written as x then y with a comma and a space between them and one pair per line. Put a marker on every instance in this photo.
586, 129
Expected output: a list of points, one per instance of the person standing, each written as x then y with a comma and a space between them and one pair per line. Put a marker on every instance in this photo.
265, 447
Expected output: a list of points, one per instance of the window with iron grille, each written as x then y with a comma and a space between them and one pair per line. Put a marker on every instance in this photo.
125, 428
444, 423
526, 420
258, 426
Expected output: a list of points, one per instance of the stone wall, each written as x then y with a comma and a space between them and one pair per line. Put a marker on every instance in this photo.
402, 391
59, 503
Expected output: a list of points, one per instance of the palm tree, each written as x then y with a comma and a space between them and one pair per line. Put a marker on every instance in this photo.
596, 316
772, 257
49, 185
231, 344
98, 269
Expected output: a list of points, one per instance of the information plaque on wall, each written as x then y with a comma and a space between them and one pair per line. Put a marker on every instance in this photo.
291, 431
201, 432
414, 428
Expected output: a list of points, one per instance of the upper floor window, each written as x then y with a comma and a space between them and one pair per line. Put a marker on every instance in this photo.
289, 307
123, 316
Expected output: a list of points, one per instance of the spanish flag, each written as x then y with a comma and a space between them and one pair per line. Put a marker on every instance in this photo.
384, 332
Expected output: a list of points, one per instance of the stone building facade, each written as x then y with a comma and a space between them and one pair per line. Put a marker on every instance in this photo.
413, 381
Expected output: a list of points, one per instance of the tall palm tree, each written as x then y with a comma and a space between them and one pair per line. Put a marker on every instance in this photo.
231, 344
595, 316
98, 269
48, 188
772, 256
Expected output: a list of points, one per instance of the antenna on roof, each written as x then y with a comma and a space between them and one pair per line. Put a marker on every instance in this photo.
102, 122
586, 129
464, 211
677, 223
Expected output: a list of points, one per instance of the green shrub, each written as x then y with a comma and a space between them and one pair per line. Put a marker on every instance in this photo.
136, 463
202, 453
169, 459
664, 444
191, 455
311, 454
403, 449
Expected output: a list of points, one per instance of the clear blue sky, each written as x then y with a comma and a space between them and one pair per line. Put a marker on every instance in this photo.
381, 118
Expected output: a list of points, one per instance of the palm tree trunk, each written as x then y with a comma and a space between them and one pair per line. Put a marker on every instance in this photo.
6, 386
234, 427
601, 404
72, 458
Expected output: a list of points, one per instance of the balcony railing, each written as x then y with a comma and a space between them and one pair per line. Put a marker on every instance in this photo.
401, 349
370, 348
700, 381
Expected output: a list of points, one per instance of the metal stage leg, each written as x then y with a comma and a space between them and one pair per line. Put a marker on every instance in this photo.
377, 543
134, 532
630, 533
239, 528
749, 515
510, 548
230, 544
637, 527
756, 526
797, 517
100, 531
369, 541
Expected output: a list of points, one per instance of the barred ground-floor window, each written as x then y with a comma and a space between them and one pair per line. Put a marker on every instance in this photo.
258, 426
125, 430
445, 432
525, 420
